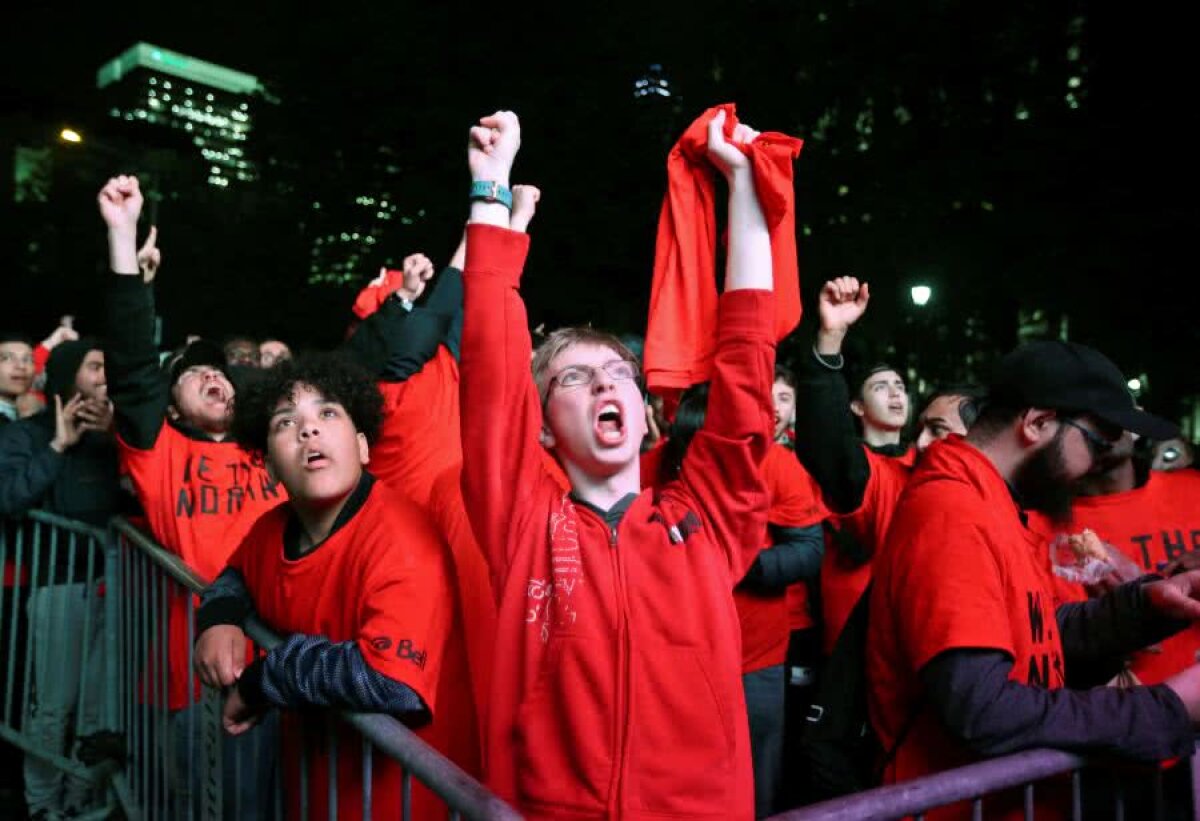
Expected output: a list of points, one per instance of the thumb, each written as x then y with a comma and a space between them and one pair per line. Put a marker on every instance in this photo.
864, 294
716, 128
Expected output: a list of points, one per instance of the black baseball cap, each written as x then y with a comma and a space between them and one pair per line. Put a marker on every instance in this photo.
200, 352
1072, 377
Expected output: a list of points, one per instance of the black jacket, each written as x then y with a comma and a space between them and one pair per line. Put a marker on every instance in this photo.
82, 483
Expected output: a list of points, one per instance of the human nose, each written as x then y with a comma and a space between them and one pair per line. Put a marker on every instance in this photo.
602, 381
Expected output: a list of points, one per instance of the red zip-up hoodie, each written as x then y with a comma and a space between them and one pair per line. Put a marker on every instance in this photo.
617, 686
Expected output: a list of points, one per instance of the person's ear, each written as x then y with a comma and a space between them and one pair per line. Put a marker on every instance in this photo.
546, 438
1037, 426
857, 408
364, 451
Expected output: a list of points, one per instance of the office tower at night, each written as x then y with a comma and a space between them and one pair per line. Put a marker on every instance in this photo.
211, 103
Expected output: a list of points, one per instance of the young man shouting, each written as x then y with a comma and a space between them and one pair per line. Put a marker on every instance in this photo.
617, 689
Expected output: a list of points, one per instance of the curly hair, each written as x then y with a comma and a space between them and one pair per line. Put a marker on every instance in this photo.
332, 375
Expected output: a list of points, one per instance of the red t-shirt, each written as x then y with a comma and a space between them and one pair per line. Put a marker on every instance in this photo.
794, 502
1153, 525
419, 438
383, 580
842, 580
958, 570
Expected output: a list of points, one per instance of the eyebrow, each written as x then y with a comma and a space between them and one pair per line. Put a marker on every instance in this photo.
934, 420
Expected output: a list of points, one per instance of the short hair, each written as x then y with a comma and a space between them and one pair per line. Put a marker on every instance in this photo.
968, 408
332, 375
785, 375
15, 336
564, 339
859, 379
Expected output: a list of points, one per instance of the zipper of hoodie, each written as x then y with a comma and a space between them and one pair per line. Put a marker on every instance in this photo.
624, 678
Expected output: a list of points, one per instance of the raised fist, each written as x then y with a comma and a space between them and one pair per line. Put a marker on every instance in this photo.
727, 155
492, 147
841, 303
121, 203
418, 270
525, 200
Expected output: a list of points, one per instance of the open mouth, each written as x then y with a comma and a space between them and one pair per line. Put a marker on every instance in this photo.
610, 423
314, 459
214, 393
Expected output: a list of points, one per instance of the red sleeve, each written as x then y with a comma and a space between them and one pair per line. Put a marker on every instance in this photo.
405, 613
722, 466
948, 582
500, 413
795, 498
41, 355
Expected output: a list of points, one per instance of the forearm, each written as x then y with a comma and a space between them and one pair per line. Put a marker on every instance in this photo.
978, 703
25, 479
313, 671
827, 443
135, 382
748, 260
226, 601
796, 556
122, 251
1098, 634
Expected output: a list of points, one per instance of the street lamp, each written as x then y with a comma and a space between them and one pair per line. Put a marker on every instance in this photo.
921, 295
70, 135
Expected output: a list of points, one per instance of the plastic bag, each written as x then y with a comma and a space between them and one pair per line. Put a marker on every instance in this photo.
1084, 559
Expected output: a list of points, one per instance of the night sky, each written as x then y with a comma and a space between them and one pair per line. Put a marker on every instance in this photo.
918, 164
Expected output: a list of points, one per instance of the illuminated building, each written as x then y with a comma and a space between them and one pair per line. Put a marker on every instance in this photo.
211, 103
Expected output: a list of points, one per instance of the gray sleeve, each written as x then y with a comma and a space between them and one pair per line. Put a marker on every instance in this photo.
1099, 633
971, 692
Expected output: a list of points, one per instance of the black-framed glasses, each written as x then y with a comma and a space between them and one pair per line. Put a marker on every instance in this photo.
576, 376
1099, 445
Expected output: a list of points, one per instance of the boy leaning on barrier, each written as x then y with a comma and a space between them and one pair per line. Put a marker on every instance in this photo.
355, 577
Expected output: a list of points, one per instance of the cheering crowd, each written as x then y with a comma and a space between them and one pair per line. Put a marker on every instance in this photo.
688, 581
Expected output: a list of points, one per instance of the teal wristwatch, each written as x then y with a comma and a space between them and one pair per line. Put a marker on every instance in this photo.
491, 192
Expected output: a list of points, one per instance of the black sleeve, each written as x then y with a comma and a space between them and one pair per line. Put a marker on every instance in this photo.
827, 443
1099, 633
395, 342
139, 392
971, 693
794, 556
226, 601
313, 671
28, 467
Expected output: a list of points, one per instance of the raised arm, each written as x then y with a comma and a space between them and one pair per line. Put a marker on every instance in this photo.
723, 464
501, 414
827, 443
135, 384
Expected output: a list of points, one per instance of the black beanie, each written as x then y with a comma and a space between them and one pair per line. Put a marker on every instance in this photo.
63, 365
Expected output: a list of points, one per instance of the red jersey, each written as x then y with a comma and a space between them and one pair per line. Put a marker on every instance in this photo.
958, 570
1153, 525
794, 502
382, 580
843, 581
200, 498
599, 624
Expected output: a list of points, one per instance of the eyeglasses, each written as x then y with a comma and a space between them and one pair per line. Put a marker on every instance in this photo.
576, 376
1099, 446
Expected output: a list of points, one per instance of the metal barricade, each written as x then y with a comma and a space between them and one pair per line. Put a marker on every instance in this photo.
987, 790
216, 776
59, 662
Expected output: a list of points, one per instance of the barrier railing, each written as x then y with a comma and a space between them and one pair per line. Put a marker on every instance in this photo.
59, 662
1126, 791
213, 769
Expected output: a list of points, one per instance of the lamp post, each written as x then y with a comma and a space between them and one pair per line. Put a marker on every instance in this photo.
921, 295
70, 135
